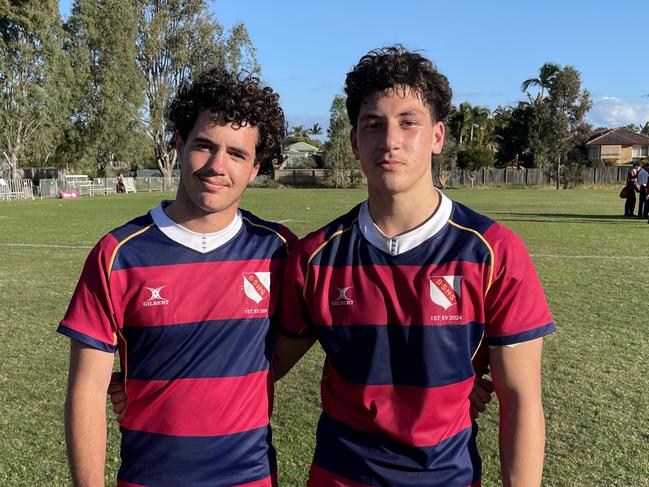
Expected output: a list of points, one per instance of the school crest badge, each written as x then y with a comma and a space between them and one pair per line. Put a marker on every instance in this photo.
256, 285
445, 291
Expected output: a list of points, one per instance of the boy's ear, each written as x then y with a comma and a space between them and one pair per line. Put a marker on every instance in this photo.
438, 138
178, 141
354, 142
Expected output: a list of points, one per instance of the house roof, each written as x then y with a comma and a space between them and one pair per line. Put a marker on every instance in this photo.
618, 136
301, 147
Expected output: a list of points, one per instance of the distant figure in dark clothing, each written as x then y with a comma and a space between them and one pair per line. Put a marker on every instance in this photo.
631, 190
642, 178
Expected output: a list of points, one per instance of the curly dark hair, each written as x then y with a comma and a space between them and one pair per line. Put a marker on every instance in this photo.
388, 68
240, 99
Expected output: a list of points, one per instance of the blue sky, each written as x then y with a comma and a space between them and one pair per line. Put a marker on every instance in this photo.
485, 48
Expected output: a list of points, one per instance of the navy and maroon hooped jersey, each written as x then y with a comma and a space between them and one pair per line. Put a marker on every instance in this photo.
400, 320
191, 328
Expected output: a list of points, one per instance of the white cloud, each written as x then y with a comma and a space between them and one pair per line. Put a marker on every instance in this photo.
612, 111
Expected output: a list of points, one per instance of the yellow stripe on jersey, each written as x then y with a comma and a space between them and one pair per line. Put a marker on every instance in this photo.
267, 228
119, 245
491, 251
320, 247
125, 364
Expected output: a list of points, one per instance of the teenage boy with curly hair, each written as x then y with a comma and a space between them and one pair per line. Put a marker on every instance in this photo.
400, 292
185, 294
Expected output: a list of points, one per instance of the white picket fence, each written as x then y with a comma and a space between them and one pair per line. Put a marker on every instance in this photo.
16, 189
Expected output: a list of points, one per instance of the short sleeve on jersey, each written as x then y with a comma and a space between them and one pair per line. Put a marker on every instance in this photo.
515, 306
90, 316
294, 321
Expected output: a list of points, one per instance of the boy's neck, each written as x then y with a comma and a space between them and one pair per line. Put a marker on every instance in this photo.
197, 221
398, 214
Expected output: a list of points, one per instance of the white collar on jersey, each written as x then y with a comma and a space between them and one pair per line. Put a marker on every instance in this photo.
409, 240
201, 242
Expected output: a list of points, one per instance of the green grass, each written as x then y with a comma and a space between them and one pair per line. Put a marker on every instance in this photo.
593, 264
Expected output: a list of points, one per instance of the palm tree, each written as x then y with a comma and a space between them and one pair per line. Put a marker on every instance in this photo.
479, 118
298, 131
316, 129
645, 129
466, 119
454, 123
547, 75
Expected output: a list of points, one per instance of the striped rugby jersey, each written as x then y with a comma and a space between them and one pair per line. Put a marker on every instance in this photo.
189, 315
400, 320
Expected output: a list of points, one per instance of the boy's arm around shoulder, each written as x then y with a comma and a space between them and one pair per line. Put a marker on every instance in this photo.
293, 335
287, 352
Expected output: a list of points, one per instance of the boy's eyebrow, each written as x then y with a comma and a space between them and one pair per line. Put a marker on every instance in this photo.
242, 152
203, 140
411, 111
370, 115
405, 113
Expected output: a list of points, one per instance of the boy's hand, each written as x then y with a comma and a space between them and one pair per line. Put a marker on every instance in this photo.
118, 395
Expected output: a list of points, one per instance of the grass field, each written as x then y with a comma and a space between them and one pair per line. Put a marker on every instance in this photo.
593, 263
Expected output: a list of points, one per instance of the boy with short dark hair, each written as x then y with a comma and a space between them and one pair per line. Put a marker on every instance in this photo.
400, 292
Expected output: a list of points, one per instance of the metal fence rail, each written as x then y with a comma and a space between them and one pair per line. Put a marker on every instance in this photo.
50, 188
12, 189
461, 178
16, 189
156, 184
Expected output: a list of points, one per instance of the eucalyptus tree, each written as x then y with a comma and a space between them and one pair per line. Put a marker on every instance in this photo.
33, 82
337, 150
176, 40
109, 87
562, 116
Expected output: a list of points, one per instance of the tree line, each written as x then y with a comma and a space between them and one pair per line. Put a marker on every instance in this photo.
90, 92
548, 130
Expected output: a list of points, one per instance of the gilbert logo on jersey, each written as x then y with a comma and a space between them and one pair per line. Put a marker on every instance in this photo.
155, 298
343, 298
445, 290
256, 285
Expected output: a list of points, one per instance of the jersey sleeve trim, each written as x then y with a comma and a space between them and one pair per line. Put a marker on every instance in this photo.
522, 337
492, 264
319, 248
272, 230
92, 342
119, 245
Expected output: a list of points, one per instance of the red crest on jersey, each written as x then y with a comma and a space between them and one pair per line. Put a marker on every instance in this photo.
445, 290
256, 285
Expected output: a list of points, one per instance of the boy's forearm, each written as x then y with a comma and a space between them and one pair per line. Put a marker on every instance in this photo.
85, 433
522, 444
85, 413
516, 373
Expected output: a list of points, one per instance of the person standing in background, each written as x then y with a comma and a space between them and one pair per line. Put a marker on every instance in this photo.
643, 178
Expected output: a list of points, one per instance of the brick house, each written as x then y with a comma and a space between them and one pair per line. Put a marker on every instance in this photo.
618, 146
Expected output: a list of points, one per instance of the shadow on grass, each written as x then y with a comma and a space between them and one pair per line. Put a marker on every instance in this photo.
566, 217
